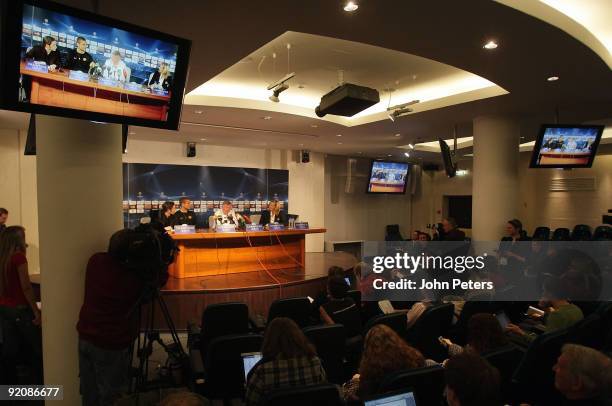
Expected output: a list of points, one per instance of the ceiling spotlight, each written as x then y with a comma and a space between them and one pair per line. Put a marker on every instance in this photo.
314, 125
350, 6
553, 78
277, 91
266, 118
400, 110
490, 45
407, 154
411, 146
338, 135
389, 155
397, 135
198, 112
339, 143
202, 139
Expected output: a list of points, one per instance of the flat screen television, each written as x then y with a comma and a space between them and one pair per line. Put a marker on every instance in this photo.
68, 62
388, 177
447, 159
566, 146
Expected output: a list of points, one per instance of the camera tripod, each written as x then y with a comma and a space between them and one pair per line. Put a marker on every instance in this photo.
144, 348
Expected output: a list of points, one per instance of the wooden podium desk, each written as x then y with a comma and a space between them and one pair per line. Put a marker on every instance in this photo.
57, 89
211, 253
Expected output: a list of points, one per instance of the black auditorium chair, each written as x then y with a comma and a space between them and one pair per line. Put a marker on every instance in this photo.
534, 378
581, 232
295, 308
355, 295
321, 394
483, 304
541, 233
396, 321
329, 341
428, 384
433, 323
602, 233
561, 234
222, 319
392, 233
506, 360
223, 366
588, 332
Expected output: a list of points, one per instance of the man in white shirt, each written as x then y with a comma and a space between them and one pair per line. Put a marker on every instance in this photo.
227, 215
114, 68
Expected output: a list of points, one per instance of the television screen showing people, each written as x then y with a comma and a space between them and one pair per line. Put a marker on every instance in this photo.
388, 177
76, 63
566, 146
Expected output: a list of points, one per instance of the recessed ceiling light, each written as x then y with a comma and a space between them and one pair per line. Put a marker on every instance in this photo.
407, 154
339, 143
389, 155
552, 78
338, 135
198, 111
266, 118
314, 125
351, 6
490, 45
202, 139
397, 135
411, 146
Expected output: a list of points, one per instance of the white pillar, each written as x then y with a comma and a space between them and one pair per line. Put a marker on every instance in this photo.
495, 198
79, 184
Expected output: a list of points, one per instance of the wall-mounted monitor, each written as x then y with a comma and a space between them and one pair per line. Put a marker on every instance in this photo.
67, 62
388, 177
566, 146
447, 159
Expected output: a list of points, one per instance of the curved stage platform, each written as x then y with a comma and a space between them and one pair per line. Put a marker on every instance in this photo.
186, 298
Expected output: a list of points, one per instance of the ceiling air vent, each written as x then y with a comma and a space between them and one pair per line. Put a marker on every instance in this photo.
572, 184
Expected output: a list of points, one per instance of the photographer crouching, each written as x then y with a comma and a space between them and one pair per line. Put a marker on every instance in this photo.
117, 282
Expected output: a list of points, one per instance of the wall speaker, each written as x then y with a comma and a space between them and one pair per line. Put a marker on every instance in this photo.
431, 167
351, 167
304, 156
191, 149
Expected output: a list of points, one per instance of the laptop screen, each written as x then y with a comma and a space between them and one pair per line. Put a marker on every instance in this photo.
249, 360
398, 399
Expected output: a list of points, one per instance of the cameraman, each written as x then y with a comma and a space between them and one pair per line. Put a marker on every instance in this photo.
108, 323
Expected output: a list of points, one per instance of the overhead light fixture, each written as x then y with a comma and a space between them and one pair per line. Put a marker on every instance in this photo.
397, 135
490, 45
411, 146
407, 154
389, 155
131, 133
351, 6
202, 139
401, 110
277, 91
339, 143
266, 118
552, 78
314, 125
338, 135
198, 111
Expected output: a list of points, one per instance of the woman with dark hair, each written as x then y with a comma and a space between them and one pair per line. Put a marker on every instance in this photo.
288, 360
341, 309
384, 352
19, 314
166, 214
484, 334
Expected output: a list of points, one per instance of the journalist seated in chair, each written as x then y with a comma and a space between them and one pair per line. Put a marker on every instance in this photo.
513, 252
471, 380
288, 360
341, 309
484, 334
384, 352
450, 231
273, 214
559, 312
583, 376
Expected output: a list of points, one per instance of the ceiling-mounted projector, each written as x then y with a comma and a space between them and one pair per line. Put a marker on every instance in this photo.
347, 100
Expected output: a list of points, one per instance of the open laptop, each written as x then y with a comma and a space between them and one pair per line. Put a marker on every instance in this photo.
400, 398
249, 359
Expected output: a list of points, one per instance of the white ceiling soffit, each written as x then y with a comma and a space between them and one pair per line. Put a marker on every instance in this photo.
589, 21
317, 62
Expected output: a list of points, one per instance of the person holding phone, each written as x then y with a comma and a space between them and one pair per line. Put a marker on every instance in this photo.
19, 313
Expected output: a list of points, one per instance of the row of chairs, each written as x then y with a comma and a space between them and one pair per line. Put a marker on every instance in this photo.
581, 232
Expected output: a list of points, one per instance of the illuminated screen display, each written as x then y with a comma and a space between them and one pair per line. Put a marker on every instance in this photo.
566, 146
388, 177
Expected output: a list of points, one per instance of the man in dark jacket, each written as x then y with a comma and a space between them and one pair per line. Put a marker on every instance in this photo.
451, 232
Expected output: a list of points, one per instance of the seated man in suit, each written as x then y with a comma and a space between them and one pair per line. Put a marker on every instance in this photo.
273, 214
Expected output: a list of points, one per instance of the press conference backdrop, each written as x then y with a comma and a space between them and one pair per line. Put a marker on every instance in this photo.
147, 186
